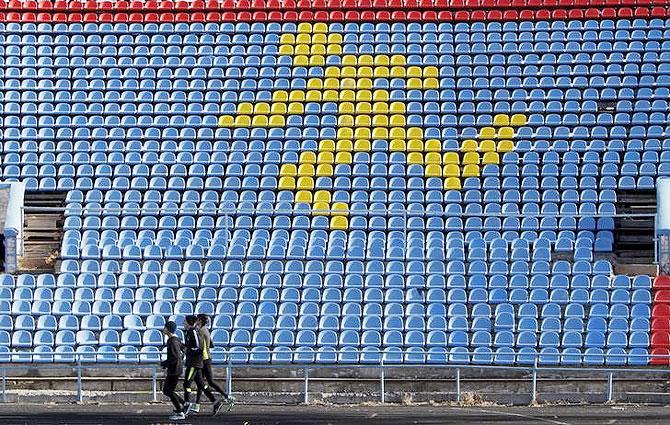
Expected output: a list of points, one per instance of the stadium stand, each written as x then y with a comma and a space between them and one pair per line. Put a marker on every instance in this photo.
337, 181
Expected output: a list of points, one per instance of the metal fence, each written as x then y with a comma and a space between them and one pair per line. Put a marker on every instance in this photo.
534, 368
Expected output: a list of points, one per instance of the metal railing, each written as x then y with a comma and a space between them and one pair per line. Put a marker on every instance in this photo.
535, 367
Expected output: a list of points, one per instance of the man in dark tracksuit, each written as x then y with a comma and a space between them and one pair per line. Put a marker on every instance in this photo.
206, 342
194, 364
173, 367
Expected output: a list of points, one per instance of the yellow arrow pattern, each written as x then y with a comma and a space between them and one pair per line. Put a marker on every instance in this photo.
364, 114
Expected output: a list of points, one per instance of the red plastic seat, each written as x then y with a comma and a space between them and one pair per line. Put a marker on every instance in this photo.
625, 12
352, 15
660, 339
291, 16
544, 15
558, 14
90, 6
641, 12
44, 17
321, 15
74, 17
121, 6
288, 4
511, 15
396, 15
336, 15
364, 4
658, 12
243, 5
526, 15
367, 15
319, 5
662, 282
592, 13
259, 16
151, 17
662, 296
660, 310
44, 5
660, 360
166, 5
660, 324
608, 12
445, 15
494, 15
306, 15
429, 15
228, 17
120, 17
136, 17
169, 17
275, 15
90, 17
462, 15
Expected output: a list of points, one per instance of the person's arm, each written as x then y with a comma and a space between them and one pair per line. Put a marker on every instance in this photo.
173, 354
193, 342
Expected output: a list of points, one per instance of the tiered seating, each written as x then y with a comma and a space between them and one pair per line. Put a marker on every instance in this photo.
337, 192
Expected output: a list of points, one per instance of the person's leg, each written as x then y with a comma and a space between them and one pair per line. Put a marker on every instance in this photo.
202, 386
188, 379
169, 386
209, 378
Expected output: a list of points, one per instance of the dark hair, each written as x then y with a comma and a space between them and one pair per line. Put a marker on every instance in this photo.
171, 327
191, 319
203, 318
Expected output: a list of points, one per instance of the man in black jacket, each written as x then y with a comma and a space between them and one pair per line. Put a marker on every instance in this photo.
194, 364
173, 367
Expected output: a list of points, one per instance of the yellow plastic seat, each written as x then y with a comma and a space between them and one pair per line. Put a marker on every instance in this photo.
296, 108
226, 121
332, 71
487, 146
324, 170
245, 108
344, 146
301, 60
260, 121
415, 133
326, 146
332, 83
433, 158
307, 157
334, 38
296, 96
331, 95
363, 121
452, 183
318, 50
398, 60
398, 72
365, 73
279, 108
505, 146
491, 158
306, 170
243, 121
380, 108
348, 83
277, 121
320, 28
305, 183
451, 158
415, 158
325, 158
415, 145
397, 145
286, 49
471, 158
380, 96
321, 208
334, 49
339, 223
398, 133
313, 96
287, 38
451, 170
470, 170
315, 83
364, 108
343, 158
487, 133
431, 83
397, 120
322, 196
305, 28
501, 120
414, 83
380, 133
414, 71
346, 133
349, 60
433, 170
381, 72
345, 120
339, 208
262, 108
362, 145
398, 108
431, 71
363, 96
380, 121
348, 72
362, 133
506, 133
280, 96
347, 96
518, 120
433, 145
288, 170
303, 38
365, 60
302, 49
319, 38
286, 183
303, 197
382, 60
469, 145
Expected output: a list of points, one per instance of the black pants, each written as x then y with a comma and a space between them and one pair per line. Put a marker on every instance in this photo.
169, 386
209, 378
195, 375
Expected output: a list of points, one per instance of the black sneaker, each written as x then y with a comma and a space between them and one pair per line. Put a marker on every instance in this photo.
186, 408
218, 405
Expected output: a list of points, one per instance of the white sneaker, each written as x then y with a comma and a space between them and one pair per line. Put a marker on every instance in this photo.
193, 408
178, 416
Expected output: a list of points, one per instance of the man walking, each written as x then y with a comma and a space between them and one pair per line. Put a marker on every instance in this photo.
173, 367
206, 341
194, 366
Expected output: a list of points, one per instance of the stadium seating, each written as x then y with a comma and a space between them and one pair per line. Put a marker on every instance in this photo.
338, 192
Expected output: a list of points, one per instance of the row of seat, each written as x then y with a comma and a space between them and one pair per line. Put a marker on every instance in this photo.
225, 5
349, 15
548, 356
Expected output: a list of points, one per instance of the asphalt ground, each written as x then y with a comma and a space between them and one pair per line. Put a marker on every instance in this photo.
157, 414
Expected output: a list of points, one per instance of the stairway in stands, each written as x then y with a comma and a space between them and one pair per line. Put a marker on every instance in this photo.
634, 236
43, 231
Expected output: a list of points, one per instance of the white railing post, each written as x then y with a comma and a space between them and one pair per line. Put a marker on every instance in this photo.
382, 390
306, 373
610, 387
458, 385
80, 393
154, 386
533, 397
